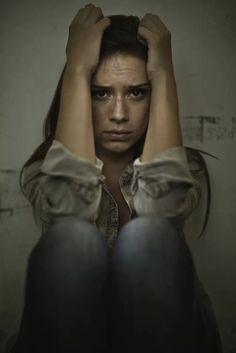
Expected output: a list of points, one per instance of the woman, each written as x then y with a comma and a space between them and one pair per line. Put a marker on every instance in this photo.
111, 187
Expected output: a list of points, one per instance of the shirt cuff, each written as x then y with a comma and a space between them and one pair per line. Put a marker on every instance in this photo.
173, 154
59, 161
163, 174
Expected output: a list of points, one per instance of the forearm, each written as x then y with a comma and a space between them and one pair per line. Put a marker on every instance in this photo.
74, 127
164, 129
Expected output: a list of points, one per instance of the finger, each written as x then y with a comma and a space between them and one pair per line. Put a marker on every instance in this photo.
95, 14
104, 23
154, 23
88, 13
81, 13
159, 22
149, 23
145, 35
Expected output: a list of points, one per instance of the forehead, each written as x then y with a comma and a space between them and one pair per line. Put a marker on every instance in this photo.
121, 69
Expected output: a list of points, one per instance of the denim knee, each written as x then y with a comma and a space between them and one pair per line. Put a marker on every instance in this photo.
70, 235
151, 233
70, 249
155, 247
65, 284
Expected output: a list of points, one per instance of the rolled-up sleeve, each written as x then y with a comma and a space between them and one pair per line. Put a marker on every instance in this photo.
165, 186
63, 184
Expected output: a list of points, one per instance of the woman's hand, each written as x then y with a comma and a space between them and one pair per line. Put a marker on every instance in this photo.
158, 39
85, 36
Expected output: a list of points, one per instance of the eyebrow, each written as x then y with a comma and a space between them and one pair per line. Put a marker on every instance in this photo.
129, 87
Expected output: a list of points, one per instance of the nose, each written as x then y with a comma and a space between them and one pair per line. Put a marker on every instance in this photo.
119, 110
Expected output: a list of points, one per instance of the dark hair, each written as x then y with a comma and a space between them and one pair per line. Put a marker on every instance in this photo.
119, 37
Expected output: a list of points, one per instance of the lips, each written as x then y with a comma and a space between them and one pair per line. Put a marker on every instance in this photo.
118, 134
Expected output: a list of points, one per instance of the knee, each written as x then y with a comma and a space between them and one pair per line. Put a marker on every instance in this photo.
149, 230
150, 239
69, 239
74, 232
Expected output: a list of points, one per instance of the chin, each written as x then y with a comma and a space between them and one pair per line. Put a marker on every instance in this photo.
117, 147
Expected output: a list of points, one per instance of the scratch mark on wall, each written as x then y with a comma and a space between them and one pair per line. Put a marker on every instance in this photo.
8, 211
193, 128
208, 128
8, 171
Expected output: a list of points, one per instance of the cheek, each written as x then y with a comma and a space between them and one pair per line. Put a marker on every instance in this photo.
99, 109
142, 116
97, 116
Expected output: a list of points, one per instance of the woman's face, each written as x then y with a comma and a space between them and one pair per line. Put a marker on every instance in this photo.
120, 103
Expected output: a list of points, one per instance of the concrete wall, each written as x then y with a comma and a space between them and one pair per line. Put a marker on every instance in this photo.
33, 37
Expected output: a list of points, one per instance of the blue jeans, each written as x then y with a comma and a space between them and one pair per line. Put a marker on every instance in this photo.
144, 297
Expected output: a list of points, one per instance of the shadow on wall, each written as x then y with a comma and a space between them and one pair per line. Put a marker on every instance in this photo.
18, 234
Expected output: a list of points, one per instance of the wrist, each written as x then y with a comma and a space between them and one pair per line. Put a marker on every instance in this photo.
162, 74
77, 71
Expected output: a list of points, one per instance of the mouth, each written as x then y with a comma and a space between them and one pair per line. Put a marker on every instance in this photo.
118, 134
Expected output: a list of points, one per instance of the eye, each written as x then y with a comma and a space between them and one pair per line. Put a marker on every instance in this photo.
138, 93
99, 94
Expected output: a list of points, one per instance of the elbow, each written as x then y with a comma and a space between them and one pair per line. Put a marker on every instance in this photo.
55, 199
176, 204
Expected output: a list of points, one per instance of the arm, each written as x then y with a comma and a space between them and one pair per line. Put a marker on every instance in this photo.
162, 182
163, 132
165, 186
74, 128
63, 184
68, 180
164, 127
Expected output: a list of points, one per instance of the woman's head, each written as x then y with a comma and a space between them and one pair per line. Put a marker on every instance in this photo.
120, 95
115, 104
119, 37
